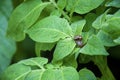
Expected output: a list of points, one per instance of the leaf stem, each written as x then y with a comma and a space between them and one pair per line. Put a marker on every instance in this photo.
64, 14
101, 62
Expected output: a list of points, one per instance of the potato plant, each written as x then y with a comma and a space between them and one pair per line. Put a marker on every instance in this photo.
74, 32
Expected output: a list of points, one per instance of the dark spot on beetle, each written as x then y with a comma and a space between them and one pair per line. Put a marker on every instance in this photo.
78, 37
78, 41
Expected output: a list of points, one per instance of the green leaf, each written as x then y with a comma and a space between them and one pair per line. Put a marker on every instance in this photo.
82, 6
76, 18
117, 14
49, 74
105, 38
70, 61
56, 13
114, 3
23, 17
77, 27
86, 35
38, 61
100, 21
113, 28
94, 47
61, 3
7, 46
16, 72
50, 30
34, 75
47, 11
20, 71
46, 35
117, 40
49, 66
68, 73
6, 7
3, 24
90, 17
63, 49
84, 58
43, 47
76, 52
101, 9
86, 74
64, 73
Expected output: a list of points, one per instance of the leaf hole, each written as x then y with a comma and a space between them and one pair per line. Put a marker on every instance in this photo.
91, 66
48, 54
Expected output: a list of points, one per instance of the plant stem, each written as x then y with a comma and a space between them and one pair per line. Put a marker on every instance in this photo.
101, 62
64, 14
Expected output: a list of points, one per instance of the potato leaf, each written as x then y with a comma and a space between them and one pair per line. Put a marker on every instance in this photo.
84, 58
7, 46
82, 6
90, 17
68, 73
63, 49
61, 3
34, 75
43, 47
117, 40
50, 30
46, 35
20, 71
38, 61
100, 21
64, 73
114, 3
86, 74
16, 72
113, 28
70, 61
117, 14
94, 47
23, 17
56, 13
77, 27
6, 7
105, 38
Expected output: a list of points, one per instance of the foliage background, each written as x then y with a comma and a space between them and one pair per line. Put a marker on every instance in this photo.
25, 49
